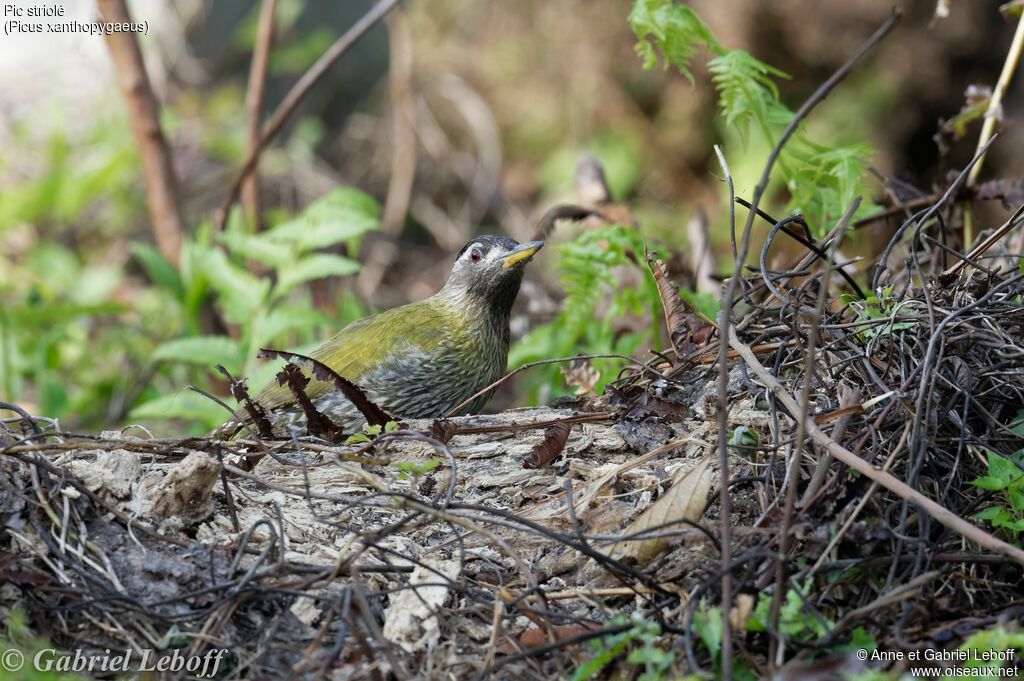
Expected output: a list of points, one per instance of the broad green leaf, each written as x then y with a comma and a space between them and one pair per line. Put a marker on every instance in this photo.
343, 214
266, 327
316, 266
257, 247
708, 625
989, 482
1002, 468
202, 350
58, 312
241, 293
158, 269
996, 514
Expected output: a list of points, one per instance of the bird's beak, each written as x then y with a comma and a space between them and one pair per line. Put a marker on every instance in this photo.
521, 253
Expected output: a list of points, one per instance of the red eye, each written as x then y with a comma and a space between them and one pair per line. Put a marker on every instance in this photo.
474, 255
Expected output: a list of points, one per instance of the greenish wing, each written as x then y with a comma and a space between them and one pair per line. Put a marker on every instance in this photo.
360, 347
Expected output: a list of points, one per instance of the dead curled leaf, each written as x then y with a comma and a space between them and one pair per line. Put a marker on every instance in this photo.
685, 329
582, 375
442, 430
318, 424
684, 500
551, 446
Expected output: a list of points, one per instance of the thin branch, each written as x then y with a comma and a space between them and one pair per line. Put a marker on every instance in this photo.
794, 463
403, 130
295, 95
741, 256
724, 499
254, 104
996, 102
144, 114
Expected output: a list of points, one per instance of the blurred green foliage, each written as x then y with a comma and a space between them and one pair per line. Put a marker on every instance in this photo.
18, 648
261, 312
96, 324
822, 180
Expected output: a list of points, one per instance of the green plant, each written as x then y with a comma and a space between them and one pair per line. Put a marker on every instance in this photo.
411, 469
1006, 477
873, 309
371, 432
592, 267
707, 624
260, 310
989, 651
655, 660
794, 619
822, 180
18, 651
69, 324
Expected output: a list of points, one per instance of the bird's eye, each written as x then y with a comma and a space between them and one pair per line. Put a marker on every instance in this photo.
474, 255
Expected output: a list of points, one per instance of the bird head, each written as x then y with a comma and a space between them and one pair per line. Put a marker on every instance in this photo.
488, 271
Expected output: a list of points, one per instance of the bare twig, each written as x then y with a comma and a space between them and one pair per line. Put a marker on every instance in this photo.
144, 113
403, 154
996, 101
794, 463
295, 95
723, 449
741, 256
254, 104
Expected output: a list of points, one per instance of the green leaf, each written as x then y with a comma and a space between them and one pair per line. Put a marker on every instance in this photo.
1002, 468
267, 327
202, 350
240, 293
316, 266
257, 247
343, 214
706, 303
708, 625
591, 667
160, 271
997, 515
40, 314
989, 482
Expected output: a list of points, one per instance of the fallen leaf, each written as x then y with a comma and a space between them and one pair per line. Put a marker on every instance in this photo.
684, 500
582, 375
554, 441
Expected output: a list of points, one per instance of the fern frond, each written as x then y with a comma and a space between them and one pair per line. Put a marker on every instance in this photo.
674, 29
746, 90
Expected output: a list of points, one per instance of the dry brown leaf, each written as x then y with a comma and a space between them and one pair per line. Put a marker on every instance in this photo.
740, 613
685, 329
551, 446
684, 500
582, 375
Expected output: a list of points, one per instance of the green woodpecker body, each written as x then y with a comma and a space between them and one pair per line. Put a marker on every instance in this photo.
420, 360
